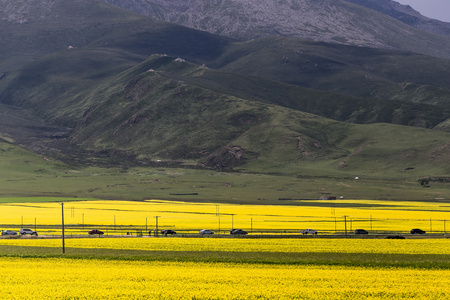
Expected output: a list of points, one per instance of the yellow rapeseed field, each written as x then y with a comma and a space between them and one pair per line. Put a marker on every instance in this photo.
321, 245
135, 276
325, 216
53, 278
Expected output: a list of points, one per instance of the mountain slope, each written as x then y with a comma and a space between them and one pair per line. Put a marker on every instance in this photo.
160, 115
119, 101
60, 86
167, 109
32, 29
406, 14
119, 40
64, 87
356, 71
335, 21
129, 38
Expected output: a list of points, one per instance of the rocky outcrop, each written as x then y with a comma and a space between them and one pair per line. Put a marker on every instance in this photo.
227, 158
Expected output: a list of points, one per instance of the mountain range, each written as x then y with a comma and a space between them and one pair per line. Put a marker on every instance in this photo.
320, 87
406, 14
376, 24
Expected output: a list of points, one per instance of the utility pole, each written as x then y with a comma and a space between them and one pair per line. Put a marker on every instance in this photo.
218, 215
345, 222
232, 221
156, 231
62, 222
445, 231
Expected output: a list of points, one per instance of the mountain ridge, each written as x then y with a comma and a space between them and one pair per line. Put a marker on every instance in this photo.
157, 111
120, 101
406, 14
336, 21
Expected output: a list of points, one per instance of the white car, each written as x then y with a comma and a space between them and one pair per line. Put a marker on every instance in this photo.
9, 232
24, 231
206, 231
308, 231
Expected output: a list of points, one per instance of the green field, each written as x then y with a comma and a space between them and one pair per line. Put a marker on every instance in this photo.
199, 185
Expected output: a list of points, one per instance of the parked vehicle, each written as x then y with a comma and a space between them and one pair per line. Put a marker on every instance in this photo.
25, 231
238, 231
417, 231
167, 231
361, 231
308, 231
9, 232
206, 231
95, 231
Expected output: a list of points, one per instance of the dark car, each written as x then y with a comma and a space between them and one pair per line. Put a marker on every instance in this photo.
95, 231
361, 231
238, 231
167, 231
417, 231
9, 232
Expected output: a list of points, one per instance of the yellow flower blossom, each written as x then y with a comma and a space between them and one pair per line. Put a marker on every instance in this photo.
315, 245
32, 278
118, 217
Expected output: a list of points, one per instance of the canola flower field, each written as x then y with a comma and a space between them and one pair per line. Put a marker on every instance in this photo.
117, 266
322, 215
242, 245
55, 278
144, 275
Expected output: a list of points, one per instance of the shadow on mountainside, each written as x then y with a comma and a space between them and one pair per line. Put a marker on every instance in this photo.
18, 126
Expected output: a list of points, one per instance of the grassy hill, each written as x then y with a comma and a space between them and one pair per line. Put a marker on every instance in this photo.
32, 29
118, 40
355, 71
164, 109
28, 177
114, 102
72, 75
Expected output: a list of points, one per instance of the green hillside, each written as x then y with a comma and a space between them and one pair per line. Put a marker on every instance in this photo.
331, 105
379, 85
50, 84
28, 177
164, 109
33, 29
331, 21
355, 71
36, 28
137, 95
